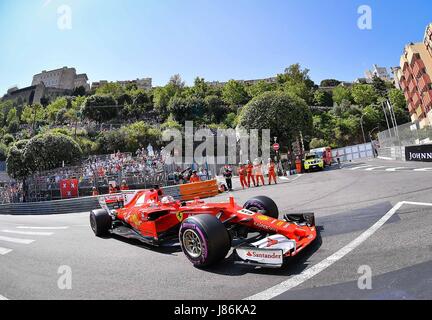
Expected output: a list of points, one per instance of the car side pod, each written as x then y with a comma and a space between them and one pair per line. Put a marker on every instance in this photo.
268, 252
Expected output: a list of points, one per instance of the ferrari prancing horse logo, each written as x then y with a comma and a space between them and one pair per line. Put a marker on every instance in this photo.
179, 216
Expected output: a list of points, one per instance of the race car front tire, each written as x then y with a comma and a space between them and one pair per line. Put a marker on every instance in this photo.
204, 240
263, 203
100, 222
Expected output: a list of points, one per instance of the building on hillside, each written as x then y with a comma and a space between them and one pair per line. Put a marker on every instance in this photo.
415, 79
64, 78
396, 71
380, 72
245, 82
144, 83
34, 94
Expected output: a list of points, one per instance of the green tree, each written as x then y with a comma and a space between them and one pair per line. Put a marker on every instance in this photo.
8, 139
3, 152
79, 91
100, 108
53, 108
364, 94
12, 116
190, 108
216, 109
379, 86
285, 115
342, 93
330, 83
323, 98
259, 88
16, 165
33, 114
111, 88
234, 93
51, 150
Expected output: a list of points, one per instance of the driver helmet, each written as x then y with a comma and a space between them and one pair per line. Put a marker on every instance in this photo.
167, 199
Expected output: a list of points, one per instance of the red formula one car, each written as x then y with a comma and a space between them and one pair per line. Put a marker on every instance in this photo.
207, 231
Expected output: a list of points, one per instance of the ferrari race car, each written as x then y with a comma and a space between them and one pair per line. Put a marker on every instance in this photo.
207, 231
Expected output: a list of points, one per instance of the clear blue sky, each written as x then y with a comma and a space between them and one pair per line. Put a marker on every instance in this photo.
214, 39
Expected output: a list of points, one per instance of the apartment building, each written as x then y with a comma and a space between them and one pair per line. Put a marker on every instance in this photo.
414, 76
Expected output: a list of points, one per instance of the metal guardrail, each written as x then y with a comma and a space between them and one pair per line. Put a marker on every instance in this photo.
85, 204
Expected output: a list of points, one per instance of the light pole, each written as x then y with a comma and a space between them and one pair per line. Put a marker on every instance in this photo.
373, 146
370, 133
361, 124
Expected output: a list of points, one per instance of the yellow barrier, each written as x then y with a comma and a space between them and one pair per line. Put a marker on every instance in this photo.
202, 189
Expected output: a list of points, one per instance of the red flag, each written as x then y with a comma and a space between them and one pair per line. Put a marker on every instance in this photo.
69, 188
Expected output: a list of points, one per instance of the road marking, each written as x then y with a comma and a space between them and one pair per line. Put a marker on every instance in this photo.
360, 167
16, 240
42, 228
423, 169
3, 298
374, 168
4, 251
29, 233
324, 264
426, 204
395, 169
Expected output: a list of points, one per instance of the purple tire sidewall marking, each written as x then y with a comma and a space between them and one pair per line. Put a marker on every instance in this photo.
203, 242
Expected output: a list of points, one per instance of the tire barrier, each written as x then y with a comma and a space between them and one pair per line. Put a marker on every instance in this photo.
185, 192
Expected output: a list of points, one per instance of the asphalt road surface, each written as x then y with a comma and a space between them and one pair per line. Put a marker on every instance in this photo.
373, 221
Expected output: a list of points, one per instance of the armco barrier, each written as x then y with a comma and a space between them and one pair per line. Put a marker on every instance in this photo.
181, 192
50, 207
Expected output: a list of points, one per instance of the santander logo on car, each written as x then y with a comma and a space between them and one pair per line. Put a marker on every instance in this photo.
264, 255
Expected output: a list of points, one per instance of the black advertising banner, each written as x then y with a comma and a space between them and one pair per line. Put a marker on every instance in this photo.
419, 153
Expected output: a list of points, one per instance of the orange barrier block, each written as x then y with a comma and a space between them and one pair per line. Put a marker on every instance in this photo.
202, 189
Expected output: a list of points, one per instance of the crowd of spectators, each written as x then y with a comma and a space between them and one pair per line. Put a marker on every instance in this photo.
11, 193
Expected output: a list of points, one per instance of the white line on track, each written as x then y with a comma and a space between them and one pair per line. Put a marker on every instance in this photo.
4, 251
395, 169
42, 228
360, 167
324, 264
16, 240
29, 233
374, 168
3, 298
423, 169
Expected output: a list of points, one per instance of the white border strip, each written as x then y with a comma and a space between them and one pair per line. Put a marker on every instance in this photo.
28, 233
42, 228
324, 264
3, 298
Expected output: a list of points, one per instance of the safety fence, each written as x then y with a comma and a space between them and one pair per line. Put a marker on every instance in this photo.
355, 152
405, 135
190, 191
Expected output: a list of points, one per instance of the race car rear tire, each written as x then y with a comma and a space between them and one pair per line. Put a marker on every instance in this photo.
263, 203
204, 240
100, 222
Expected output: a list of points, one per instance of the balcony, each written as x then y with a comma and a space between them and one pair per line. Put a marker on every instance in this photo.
411, 108
416, 100
412, 87
424, 82
403, 84
418, 68
420, 113
407, 96
407, 73
427, 99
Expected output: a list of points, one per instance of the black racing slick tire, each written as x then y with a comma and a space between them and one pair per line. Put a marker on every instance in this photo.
264, 204
204, 240
100, 222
